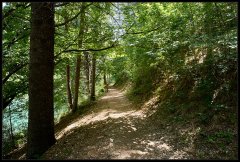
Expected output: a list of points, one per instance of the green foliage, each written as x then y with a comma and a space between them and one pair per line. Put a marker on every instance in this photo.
186, 53
16, 43
120, 74
220, 138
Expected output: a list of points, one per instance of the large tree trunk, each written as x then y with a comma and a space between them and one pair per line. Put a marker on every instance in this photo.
41, 114
86, 67
92, 97
78, 63
77, 78
69, 93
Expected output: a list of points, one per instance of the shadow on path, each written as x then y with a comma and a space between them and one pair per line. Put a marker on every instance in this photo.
115, 129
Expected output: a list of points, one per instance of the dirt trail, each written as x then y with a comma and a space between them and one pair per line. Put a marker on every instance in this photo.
116, 129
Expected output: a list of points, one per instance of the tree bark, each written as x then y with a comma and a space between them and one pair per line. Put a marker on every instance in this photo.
41, 113
105, 81
11, 129
78, 63
86, 67
77, 78
69, 93
92, 97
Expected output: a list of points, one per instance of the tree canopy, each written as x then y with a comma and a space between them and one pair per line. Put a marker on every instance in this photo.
183, 52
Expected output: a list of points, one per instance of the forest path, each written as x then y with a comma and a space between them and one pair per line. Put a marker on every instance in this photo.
116, 129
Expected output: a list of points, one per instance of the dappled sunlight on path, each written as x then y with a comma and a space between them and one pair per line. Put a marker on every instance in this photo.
114, 128
113, 105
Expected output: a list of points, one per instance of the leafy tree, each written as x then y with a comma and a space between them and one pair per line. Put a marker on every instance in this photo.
186, 53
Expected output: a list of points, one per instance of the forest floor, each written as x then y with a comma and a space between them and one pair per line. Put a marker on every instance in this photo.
115, 128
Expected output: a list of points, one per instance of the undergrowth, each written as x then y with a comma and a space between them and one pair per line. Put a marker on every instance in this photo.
200, 96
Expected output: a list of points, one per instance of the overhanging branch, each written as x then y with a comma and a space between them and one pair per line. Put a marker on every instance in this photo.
81, 50
71, 19
67, 21
144, 32
19, 67
9, 12
61, 4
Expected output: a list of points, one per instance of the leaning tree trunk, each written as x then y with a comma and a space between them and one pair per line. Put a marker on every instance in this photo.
69, 93
92, 97
78, 63
41, 114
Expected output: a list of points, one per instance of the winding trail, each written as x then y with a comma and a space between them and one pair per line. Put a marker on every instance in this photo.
116, 129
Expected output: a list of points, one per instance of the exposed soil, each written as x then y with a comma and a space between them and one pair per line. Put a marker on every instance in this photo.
116, 129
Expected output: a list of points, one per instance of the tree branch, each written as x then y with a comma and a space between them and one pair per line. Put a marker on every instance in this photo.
114, 5
77, 50
9, 12
88, 5
7, 101
102, 9
14, 40
61, 4
19, 67
74, 17
67, 21
13, 72
144, 32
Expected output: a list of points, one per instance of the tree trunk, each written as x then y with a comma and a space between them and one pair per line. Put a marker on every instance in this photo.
86, 67
105, 81
92, 97
77, 78
69, 93
78, 63
11, 129
41, 114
